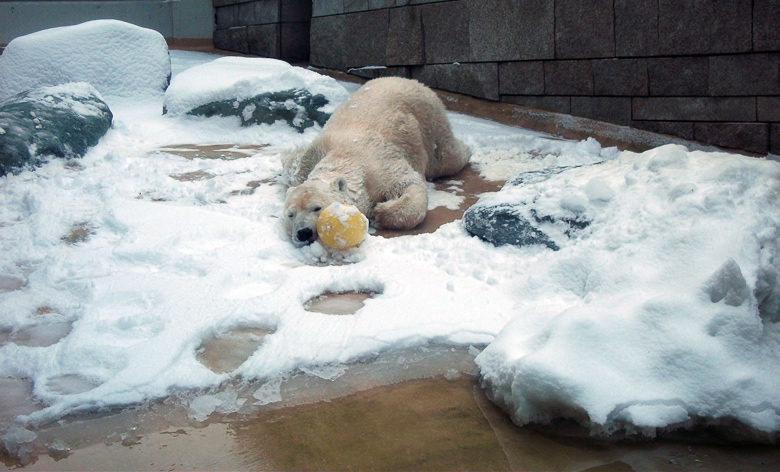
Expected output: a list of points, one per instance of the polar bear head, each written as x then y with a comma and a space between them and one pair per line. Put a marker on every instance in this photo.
305, 202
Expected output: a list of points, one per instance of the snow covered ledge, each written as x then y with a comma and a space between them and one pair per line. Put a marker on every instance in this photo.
663, 313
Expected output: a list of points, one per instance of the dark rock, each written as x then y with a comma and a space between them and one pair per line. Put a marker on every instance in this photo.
270, 107
520, 223
503, 224
60, 121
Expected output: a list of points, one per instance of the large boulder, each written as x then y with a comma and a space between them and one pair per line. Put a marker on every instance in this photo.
255, 91
520, 218
119, 59
59, 121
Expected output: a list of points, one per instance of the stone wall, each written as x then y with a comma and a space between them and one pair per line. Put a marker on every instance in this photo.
705, 70
267, 28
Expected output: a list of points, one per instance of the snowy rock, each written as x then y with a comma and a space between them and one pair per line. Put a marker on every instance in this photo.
256, 91
504, 224
119, 59
645, 328
505, 219
60, 121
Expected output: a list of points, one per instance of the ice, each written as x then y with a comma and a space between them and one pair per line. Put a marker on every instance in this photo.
639, 323
17, 442
224, 402
269, 392
119, 59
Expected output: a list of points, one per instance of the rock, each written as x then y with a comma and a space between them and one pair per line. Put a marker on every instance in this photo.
60, 121
298, 108
255, 90
121, 60
514, 217
502, 224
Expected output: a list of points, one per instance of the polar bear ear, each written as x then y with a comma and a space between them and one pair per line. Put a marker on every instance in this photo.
339, 183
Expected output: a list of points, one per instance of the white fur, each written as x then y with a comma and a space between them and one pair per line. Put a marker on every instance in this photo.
375, 152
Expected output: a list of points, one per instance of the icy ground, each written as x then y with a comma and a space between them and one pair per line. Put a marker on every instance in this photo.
113, 274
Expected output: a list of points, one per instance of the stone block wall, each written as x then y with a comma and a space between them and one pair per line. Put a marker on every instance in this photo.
267, 28
705, 70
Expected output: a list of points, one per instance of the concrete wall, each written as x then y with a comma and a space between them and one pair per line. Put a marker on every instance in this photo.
268, 28
176, 20
707, 70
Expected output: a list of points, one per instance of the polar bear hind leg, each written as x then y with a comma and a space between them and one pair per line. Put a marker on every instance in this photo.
404, 212
453, 156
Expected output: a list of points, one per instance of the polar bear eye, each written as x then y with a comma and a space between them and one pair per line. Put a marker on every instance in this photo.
290, 214
317, 209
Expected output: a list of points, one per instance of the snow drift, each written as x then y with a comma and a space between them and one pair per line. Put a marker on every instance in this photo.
674, 296
119, 59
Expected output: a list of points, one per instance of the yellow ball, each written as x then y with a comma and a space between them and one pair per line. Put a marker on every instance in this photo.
341, 226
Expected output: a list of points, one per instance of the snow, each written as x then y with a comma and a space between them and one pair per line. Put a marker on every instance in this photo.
240, 78
122, 61
662, 311
641, 321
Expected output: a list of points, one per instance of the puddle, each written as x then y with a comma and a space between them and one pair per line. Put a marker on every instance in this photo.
192, 176
9, 284
467, 184
41, 335
342, 303
225, 352
16, 395
70, 384
416, 409
430, 424
226, 152
79, 233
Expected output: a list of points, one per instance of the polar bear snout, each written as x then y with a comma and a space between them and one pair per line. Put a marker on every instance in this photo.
305, 236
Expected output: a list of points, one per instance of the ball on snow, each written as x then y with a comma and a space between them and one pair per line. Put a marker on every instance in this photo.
341, 226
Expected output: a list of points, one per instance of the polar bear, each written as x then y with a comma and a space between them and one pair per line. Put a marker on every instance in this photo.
375, 152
